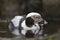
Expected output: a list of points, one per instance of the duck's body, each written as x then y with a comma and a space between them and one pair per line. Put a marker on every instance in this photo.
16, 21
22, 25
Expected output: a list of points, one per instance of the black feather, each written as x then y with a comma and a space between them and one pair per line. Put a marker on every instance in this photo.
29, 22
29, 34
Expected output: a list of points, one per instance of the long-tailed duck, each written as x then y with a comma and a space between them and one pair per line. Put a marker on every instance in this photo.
28, 26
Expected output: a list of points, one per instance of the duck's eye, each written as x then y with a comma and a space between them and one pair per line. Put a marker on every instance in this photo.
36, 17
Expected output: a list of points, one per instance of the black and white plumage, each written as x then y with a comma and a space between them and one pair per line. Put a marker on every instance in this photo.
28, 25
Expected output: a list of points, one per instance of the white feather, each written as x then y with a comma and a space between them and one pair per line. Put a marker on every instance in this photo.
16, 20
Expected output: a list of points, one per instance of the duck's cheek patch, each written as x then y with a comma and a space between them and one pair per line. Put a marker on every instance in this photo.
29, 22
37, 18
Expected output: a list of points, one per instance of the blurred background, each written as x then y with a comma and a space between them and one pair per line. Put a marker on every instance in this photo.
49, 9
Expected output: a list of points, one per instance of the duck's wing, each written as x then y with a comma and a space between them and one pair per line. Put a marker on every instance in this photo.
14, 24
